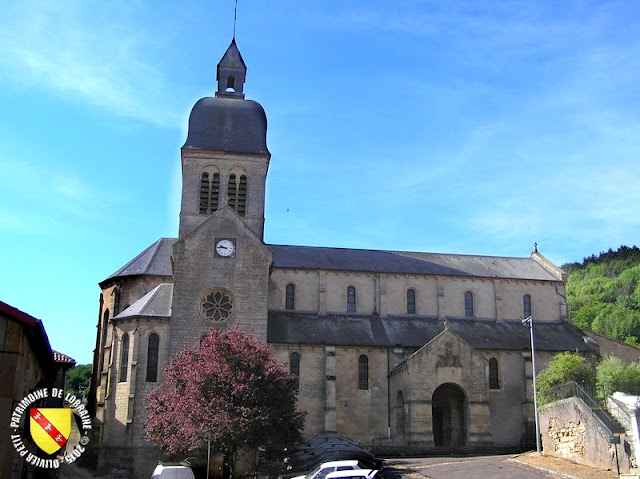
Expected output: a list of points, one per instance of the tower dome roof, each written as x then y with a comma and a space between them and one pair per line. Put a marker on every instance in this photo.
228, 122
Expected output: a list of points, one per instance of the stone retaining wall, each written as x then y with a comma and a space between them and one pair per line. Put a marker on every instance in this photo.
570, 430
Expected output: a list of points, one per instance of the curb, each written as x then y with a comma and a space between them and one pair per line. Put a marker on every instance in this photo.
543, 469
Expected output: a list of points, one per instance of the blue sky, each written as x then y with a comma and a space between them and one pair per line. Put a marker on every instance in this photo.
455, 127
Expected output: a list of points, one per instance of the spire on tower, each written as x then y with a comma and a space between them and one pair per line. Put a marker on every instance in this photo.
231, 73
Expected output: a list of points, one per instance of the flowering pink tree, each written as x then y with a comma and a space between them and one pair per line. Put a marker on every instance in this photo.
230, 392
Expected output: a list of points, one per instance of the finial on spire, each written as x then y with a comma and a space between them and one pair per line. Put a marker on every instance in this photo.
235, 16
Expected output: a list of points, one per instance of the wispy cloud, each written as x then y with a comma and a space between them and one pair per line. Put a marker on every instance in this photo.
68, 49
34, 200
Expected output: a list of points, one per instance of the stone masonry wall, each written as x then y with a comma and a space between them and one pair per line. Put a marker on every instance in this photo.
570, 430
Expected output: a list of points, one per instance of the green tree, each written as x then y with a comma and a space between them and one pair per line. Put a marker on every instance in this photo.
563, 368
613, 375
603, 293
78, 379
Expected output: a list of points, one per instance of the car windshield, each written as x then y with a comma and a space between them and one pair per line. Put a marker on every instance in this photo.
314, 472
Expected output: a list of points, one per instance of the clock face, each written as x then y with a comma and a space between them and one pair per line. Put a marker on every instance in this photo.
225, 248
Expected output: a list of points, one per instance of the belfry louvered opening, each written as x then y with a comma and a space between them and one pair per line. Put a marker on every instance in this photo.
209, 193
237, 193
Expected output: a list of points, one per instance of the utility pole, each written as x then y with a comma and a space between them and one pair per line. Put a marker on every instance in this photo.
529, 322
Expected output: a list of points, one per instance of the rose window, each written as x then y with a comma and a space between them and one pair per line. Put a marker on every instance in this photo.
217, 305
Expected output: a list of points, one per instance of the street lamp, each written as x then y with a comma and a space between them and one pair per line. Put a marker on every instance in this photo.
529, 322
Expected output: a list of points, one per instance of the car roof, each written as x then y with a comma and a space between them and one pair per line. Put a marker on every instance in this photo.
345, 462
350, 473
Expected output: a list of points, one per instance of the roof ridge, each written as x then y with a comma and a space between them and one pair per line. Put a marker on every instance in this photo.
138, 256
151, 295
160, 242
140, 307
145, 261
399, 251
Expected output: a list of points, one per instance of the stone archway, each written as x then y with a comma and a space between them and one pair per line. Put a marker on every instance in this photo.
449, 415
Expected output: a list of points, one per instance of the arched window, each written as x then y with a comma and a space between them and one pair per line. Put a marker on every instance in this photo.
105, 322
351, 298
494, 380
363, 372
209, 192
411, 301
124, 357
103, 332
526, 305
237, 194
468, 304
289, 300
152, 358
294, 367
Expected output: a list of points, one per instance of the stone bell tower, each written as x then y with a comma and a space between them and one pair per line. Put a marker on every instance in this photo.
225, 158
220, 262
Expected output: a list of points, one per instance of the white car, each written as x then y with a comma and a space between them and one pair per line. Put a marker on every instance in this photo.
354, 474
172, 471
321, 471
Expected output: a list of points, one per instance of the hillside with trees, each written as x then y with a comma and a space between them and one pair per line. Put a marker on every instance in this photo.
603, 293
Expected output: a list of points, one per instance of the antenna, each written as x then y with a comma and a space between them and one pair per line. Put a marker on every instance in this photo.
235, 16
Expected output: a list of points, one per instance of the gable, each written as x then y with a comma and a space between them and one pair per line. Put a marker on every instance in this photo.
224, 223
446, 359
214, 290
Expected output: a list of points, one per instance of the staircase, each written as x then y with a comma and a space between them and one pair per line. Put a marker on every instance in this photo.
618, 420
599, 409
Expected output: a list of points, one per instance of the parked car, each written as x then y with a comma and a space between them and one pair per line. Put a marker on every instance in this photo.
354, 474
305, 461
327, 448
330, 439
319, 472
180, 470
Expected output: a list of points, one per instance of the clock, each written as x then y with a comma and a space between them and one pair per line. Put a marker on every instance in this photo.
225, 248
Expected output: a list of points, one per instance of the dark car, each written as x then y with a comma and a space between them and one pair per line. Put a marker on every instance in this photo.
304, 457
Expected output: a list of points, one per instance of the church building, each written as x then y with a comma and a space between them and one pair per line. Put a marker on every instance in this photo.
402, 351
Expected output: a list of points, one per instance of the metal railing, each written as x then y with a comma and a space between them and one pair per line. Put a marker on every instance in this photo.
620, 413
573, 389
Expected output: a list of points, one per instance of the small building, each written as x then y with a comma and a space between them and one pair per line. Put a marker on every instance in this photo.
27, 363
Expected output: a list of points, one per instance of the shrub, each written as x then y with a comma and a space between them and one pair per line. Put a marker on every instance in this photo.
613, 375
563, 368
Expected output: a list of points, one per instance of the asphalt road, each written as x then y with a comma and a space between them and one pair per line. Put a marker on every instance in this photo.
472, 467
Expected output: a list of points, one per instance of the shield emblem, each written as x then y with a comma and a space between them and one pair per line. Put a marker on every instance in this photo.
50, 427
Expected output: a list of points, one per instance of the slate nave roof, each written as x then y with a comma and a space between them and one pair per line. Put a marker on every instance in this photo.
371, 330
411, 331
156, 260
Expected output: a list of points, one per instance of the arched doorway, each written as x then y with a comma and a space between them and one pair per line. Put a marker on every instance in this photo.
449, 415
